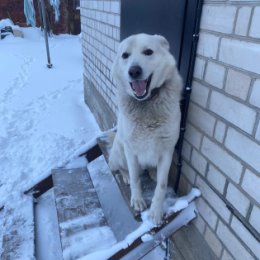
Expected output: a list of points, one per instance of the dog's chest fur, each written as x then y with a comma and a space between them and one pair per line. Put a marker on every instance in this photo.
149, 128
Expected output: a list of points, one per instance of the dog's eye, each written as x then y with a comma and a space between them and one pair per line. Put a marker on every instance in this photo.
148, 52
125, 55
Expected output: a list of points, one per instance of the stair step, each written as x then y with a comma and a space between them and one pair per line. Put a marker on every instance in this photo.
18, 229
77, 204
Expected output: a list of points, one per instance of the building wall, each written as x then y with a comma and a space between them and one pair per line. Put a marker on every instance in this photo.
100, 22
222, 141
12, 9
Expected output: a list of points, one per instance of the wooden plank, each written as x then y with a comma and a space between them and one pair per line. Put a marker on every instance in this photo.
77, 204
18, 229
41, 187
92, 153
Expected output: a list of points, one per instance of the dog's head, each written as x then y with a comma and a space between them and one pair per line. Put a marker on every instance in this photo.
143, 63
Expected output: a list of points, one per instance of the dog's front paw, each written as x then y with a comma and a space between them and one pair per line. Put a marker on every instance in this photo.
138, 203
156, 214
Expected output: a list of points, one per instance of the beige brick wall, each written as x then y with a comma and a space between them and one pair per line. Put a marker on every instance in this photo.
100, 21
222, 142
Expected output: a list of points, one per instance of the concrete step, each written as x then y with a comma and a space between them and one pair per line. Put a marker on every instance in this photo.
77, 204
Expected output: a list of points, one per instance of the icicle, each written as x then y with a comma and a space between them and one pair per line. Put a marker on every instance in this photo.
29, 12
56, 6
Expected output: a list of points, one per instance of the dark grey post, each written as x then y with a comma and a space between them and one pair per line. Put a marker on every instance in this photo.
49, 65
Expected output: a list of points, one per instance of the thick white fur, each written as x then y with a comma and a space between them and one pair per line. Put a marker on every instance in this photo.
147, 130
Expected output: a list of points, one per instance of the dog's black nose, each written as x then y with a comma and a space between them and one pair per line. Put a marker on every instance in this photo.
135, 72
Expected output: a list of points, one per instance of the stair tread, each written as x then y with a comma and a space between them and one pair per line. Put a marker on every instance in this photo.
77, 204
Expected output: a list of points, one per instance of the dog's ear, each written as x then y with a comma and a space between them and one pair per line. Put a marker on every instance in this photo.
163, 41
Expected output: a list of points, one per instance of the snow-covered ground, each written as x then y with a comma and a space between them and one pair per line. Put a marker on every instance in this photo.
43, 117
44, 121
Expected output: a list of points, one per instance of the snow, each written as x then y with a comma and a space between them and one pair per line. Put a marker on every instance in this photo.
93, 239
6, 22
146, 226
183, 202
47, 230
44, 121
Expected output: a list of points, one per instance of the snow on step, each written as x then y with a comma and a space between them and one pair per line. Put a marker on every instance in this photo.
79, 213
113, 204
18, 228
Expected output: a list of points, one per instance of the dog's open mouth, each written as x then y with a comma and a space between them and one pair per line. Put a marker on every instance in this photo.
141, 87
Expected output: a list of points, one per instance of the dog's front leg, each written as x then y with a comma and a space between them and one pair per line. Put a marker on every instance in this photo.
137, 201
156, 209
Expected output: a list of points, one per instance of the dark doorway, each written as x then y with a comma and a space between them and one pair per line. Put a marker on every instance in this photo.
178, 21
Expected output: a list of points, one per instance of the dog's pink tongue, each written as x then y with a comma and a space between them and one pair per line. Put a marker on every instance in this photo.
139, 86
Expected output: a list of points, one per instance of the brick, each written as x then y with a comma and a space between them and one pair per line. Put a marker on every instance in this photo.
219, 157
115, 7
193, 136
186, 150
243, 19
233, 111
207, 213
243, 147
200, 118
237, 84
246, 236
220, 131
258, 131
208, 45
199, 94
251, 184
199, 68
188, 172
255, 95
213, 242
216, 178
232, 243
255, 29
226, 256
215, 74
199, 224
107, 6
184, 186
218, 18
117, 21
198, 162
249, 54
237, 199
213, 199
254, 218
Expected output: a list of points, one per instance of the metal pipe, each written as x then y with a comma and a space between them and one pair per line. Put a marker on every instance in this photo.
49, 65
187, 92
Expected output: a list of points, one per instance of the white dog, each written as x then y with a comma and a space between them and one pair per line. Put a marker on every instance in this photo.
148, 89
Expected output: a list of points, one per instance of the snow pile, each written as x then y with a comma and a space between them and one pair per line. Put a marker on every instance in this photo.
6, 22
